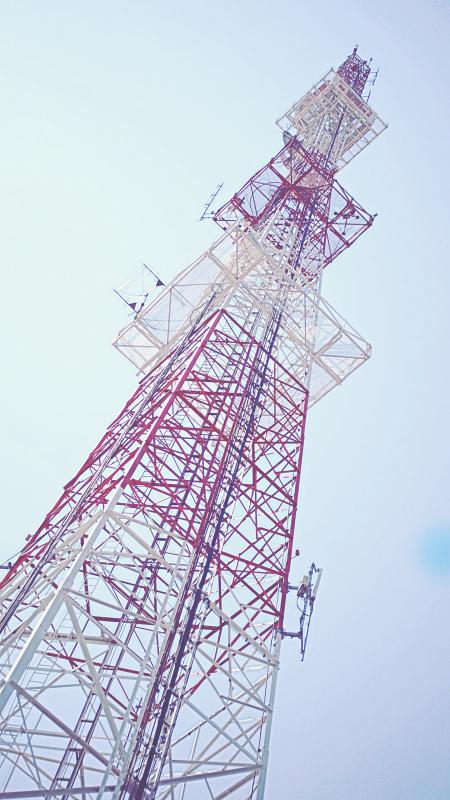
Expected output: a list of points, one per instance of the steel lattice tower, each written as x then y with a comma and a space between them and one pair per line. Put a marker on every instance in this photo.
142, 622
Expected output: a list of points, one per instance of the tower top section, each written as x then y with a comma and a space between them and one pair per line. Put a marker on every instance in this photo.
333, 120
281, 229
355, 72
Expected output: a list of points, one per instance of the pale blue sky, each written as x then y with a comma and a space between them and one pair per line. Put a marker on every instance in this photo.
119, 118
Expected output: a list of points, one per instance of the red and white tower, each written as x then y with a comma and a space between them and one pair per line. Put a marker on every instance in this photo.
142, 622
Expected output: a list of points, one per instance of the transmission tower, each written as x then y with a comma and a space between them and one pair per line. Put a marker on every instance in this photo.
142, 622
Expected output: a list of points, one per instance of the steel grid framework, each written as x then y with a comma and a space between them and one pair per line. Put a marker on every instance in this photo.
142, 622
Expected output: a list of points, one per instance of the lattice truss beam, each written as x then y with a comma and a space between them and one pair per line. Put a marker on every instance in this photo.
141, 623
109, 595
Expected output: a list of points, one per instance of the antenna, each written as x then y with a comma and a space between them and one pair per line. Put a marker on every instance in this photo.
136, 290
306, 595
159, 282
206, 213
373, 75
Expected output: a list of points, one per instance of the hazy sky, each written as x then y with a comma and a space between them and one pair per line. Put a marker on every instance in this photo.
118, 120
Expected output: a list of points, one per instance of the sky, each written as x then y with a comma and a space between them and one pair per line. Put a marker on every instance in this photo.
118, 121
